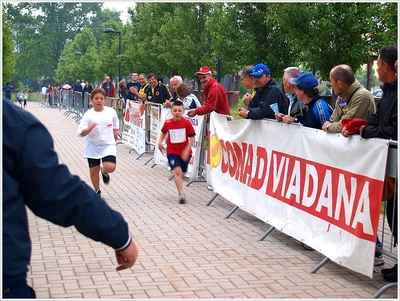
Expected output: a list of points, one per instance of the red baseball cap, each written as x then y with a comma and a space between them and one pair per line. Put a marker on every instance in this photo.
204, 70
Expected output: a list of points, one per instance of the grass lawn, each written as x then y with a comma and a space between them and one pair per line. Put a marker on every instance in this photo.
235, 109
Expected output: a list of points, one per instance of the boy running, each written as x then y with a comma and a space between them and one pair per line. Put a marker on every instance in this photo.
179, 144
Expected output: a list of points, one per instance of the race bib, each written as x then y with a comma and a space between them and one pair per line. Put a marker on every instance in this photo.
178, 135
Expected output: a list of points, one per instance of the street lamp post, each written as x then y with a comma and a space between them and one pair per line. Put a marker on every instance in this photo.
111, 30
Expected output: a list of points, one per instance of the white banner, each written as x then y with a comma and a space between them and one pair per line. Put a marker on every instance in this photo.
197, 123
133, 132
322, 189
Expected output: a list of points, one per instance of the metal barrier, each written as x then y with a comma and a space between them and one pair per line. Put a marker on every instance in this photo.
387, 248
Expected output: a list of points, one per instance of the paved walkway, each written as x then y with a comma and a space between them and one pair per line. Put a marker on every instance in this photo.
186, 251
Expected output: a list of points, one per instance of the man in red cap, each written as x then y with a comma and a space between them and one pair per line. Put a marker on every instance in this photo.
215, 97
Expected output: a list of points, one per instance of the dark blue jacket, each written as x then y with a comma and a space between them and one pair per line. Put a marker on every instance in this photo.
33, 177
259, 106
77, 87
318, 112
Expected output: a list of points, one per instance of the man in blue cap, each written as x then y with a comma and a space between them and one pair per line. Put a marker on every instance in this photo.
306, 88
267, 94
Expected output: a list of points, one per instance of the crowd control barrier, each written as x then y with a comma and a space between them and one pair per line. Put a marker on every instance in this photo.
311, 185
137, 121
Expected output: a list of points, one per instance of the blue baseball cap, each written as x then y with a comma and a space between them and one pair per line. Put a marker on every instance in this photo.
259, 70
305, 80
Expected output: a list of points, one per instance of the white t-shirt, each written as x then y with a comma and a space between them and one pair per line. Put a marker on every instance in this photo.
100, 141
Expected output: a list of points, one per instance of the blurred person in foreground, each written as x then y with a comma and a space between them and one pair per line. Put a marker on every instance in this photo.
31, 177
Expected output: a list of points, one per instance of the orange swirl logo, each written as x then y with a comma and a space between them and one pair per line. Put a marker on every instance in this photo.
215, 151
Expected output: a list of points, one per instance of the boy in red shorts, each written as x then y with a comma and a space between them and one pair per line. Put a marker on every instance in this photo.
179, 144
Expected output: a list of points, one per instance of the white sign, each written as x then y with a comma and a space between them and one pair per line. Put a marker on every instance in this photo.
320, 188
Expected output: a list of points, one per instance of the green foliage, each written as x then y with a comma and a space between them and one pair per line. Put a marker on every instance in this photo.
8, 52
179, 37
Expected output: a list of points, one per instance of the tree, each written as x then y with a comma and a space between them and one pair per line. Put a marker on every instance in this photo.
328, 34
182, 43
8, 52
41, 31
247, 33
84, 66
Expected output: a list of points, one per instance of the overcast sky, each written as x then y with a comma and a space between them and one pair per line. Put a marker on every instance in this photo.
121, 6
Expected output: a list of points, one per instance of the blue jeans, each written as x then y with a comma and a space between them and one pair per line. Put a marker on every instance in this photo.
18, 289
378, 244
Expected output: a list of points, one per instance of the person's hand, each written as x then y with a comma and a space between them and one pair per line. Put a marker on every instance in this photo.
92, 126
287, 119
160, 147
362, 127
325, 126
191, 113
167, 104
247, 99
127, 257
345, 132
279, 116
242, 112
185, 155
134, 90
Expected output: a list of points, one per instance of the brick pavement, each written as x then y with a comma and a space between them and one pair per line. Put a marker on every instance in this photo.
186, 251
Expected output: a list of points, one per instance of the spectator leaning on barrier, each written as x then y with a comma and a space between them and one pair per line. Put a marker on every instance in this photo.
141, 93
383, 124
189, 100
134, 81
306, 88
248, 83
175, 81
78, 86
215, 97
49, 190
109, 88
297, 109
100, 127
157, 92
354, 100
267, 94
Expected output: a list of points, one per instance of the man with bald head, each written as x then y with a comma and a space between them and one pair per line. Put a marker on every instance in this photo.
354, 100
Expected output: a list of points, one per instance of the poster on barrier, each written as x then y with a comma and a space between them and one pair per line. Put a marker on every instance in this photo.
197, 122
133, 133
155, 117
319, 188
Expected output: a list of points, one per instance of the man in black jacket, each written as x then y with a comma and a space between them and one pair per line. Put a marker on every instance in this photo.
267, 93
31, 177
383, 124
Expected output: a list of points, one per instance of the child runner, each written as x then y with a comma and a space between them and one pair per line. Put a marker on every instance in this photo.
100, 127
179, 144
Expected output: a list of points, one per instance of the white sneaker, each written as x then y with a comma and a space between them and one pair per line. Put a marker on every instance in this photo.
379, 260
182, 198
